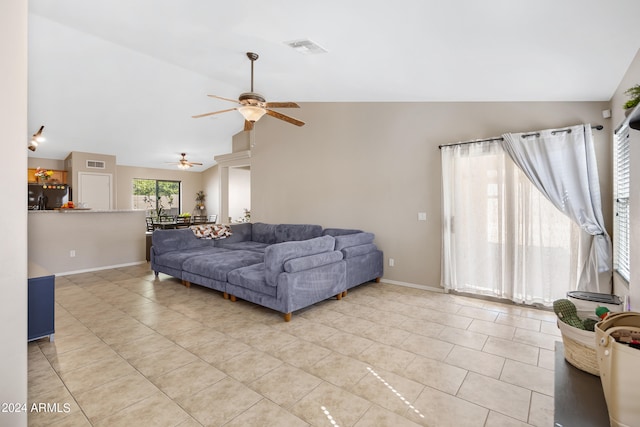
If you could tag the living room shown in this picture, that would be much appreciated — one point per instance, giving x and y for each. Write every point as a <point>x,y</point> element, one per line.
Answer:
<point>367,165</point>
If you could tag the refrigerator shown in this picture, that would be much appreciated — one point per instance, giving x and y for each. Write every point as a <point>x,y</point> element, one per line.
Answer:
<point>47,196</point>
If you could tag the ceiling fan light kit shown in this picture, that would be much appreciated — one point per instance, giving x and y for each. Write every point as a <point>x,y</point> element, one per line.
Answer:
<point>251,113</point>
<point>253,105</point>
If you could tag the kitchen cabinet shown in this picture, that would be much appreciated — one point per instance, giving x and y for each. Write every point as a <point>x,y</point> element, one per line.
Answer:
<point>58,177</point>
<point>41,303</point>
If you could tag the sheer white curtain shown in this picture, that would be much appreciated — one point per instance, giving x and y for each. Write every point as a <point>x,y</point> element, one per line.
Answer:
<point>501,236</point>
<point>562,165</point>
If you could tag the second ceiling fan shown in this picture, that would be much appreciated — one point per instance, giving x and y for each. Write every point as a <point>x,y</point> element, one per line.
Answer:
<point>253,105</point>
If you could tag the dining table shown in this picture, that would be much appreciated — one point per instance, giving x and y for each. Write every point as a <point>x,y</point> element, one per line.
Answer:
<point>165,225</point>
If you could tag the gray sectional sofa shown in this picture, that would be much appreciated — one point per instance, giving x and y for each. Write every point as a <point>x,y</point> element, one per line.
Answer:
<point>284,267</point>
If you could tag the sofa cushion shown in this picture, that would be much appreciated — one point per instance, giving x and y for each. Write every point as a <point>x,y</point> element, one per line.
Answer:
<point>177,240</point>
<point>252,277</point>
<point>308,262</point>
<point>296,232</point>
<point>263,233</point>
<point>353,251</point>
<point>175,259</point>
<point>218,265</point>
<point>348,240</point>
<point>247,246</point>
<point>239,233</point>
<point>339,231</point>
<point>276,255</point>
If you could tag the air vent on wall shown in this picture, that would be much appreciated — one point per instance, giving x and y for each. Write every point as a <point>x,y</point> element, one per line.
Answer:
<point>306,47</point>
<point>95,164</point>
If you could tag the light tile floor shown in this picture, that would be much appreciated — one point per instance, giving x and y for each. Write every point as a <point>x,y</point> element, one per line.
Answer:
<point>131,349</point>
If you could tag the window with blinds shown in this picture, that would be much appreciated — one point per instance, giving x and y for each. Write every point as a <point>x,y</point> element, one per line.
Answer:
<point>621,231</point>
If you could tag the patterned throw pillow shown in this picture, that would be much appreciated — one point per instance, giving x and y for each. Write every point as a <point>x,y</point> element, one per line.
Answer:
<point>211,231</point>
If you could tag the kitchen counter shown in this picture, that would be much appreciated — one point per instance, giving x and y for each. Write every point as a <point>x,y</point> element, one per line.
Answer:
<point>79,210</point>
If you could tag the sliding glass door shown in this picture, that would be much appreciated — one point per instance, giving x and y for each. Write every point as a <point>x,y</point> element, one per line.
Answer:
<point>501,236</point>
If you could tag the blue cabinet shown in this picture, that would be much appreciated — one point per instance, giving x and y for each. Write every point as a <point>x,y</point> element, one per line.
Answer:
<point>41,304</point>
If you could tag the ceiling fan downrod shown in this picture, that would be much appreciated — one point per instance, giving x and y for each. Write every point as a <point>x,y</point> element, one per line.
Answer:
<point>253,57</point>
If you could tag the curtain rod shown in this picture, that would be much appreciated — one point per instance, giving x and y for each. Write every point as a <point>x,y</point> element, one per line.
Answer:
<point>499,138</point>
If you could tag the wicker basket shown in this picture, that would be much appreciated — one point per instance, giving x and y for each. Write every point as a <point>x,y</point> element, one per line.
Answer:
<point>579,347</point>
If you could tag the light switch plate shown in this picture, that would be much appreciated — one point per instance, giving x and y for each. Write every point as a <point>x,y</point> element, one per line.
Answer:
<point>422,216</point>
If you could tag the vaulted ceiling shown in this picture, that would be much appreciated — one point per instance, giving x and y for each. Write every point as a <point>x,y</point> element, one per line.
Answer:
<point>124,77</point>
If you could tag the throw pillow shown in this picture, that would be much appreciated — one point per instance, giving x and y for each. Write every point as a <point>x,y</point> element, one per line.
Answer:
<point>211,231</point>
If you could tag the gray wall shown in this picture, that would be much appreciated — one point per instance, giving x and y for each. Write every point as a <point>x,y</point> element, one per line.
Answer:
<point>374,166</point>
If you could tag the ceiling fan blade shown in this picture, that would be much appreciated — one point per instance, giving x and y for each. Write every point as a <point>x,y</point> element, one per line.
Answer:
<point>281,105</point>
<point>211,114</point>
<point>235,101</point>
<point>195,164</point>
<point>285,118</point>
<point>248,125</point>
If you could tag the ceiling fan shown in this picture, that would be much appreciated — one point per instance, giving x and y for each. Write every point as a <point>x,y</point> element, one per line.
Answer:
<point>183,163</point>
<point>253,105</point>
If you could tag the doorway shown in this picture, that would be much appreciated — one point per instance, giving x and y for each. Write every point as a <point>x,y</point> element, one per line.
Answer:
<point>239,193</point>
<point>235,185</point>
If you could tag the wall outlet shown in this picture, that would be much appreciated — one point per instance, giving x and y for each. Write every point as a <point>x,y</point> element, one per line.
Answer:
<point>392,262</point>
<point>422,216</point>
<point>72,253</point>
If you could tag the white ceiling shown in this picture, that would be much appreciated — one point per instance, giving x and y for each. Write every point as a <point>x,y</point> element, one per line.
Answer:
<point>124,77</point>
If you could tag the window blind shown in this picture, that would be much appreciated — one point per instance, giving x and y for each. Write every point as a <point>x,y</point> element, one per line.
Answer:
<point>621,231</point>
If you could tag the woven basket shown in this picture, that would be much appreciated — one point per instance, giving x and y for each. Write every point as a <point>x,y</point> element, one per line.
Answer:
<point>579,348</point>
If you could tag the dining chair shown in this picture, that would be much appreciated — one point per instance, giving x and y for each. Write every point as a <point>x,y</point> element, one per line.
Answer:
<point>183,221</point>
<point>198,219</point>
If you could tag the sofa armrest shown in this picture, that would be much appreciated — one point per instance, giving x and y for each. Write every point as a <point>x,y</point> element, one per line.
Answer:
<point>354,251</point>
<point>339,231</point>
<point>276,255</point>
<point>312,261</point>
<point>348,240</point>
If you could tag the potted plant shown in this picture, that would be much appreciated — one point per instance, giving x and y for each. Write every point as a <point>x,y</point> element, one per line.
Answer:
<point>200,196</point>
<point>43,175</point>
<point>634,93</point>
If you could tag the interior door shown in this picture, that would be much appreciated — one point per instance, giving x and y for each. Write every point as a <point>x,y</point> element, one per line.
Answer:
<point>95,190</point>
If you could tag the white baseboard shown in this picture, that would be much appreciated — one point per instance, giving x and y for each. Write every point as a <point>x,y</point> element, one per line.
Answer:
<point>105,267</point>
<point>413,285</point>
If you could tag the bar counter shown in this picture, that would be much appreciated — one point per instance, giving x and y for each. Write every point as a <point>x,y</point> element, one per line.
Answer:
<point>76,240</point>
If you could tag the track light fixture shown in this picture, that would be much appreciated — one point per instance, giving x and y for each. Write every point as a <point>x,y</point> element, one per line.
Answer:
<point>36,139</point>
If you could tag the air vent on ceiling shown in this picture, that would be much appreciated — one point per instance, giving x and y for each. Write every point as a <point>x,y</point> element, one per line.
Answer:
<point>306,47</point>
<point>95,164</point>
